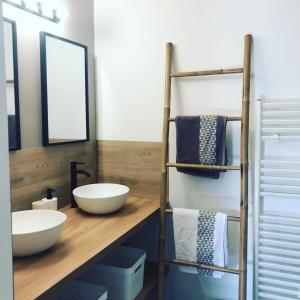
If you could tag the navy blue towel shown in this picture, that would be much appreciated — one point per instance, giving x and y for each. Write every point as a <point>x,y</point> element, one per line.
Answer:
<point>201,140</point>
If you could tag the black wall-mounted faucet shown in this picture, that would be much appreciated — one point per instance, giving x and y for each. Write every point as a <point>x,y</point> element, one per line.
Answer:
<point>74,172</point>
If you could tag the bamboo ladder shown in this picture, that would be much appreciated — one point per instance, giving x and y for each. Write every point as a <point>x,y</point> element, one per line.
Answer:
<point>243,168</point>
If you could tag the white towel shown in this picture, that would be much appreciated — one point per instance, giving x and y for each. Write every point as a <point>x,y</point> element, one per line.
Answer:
<point>200,237</point>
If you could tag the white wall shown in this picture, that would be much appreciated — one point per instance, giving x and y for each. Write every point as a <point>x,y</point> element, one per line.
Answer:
<point>6,282</point>
<point>130,52</point>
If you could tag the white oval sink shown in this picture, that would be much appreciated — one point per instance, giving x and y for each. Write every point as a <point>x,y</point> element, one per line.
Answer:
<point>101,198</point>
<point>35,231</point>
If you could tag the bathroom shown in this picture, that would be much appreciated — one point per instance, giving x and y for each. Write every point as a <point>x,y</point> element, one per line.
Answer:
<point>116,129</point>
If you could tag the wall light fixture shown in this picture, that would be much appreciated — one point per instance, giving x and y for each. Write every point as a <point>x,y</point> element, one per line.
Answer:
<point>39,12</point>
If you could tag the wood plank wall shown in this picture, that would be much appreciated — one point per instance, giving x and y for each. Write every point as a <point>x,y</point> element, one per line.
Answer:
<point>32,170</point>
<point>135,164</point>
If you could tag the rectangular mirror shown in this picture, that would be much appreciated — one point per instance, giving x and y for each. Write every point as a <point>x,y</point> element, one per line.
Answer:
<point>64,79</point>
<point>12,83</point>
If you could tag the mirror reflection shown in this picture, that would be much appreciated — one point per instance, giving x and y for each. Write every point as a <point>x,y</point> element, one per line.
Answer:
<point>64,90</point>
<point>12,89</point>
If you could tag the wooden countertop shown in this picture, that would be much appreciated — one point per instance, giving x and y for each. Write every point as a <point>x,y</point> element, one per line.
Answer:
<point>83,238</point>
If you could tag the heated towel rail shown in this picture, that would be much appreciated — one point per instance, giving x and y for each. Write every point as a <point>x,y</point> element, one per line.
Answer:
<point>242,168</point>
<point>277,227</point>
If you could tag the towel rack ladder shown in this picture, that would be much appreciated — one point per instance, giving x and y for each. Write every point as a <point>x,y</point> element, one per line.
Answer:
<point>243,168</point>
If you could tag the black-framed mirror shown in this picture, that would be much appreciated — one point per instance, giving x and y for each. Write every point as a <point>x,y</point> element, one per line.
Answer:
<point>64,83</point>
<point>12,83</point>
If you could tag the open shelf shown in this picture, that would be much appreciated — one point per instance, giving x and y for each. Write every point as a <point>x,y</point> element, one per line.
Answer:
<point>151,280</point>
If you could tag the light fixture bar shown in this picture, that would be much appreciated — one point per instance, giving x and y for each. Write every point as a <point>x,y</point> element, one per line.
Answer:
<point>38,12</point>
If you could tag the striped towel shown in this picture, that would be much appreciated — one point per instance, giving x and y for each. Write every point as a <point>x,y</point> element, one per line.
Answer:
<point>201,236</point>
<point>201,140</point>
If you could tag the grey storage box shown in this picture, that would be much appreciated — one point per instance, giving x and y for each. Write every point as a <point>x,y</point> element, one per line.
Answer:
<point>79,290</point>
<point>122,271</point>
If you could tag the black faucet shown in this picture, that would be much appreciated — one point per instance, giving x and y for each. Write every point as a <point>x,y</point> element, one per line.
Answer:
<point>74,172</point>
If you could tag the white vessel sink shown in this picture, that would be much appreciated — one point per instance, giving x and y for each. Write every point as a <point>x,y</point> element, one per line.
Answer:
<point>101,198</point>
<point>35,231</point>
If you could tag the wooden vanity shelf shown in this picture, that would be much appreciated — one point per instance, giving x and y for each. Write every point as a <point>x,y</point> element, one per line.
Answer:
<point>85,239</point>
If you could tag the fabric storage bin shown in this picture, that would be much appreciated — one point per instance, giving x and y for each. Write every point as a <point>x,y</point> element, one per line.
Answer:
<point>79,290</point>
<point>122,271</point>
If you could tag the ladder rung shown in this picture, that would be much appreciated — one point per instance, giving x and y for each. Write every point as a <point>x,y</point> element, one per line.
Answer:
<point>229,218</point>
<point>207,72</point>
<point>234,118</point>
<point>202,266</point>
<point>207,167</point>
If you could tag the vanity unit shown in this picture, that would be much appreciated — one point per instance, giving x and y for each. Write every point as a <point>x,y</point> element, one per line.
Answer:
<point>85,239</point>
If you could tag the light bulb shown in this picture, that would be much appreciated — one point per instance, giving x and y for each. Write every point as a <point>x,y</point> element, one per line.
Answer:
<point>54,15</point>
<point>39,6</point>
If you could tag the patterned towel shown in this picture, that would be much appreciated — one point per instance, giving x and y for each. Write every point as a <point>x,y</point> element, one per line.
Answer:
<point>201,140</point>
<point>201,236</point>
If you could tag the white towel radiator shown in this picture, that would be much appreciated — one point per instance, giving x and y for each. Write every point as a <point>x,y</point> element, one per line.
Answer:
<point>277,201</point>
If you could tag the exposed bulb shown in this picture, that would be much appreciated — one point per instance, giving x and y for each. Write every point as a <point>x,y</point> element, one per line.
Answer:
<point>39,6</point>
<point>54,15</point>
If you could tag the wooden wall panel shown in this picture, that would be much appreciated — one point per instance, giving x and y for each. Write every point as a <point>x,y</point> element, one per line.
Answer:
<point>135,164</point>
<point>34,169</point>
